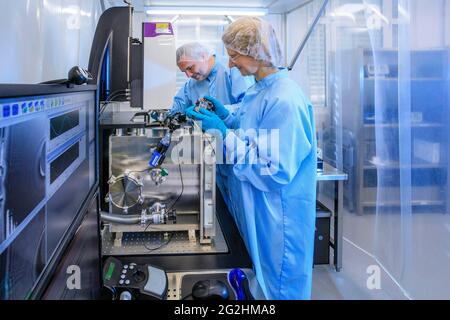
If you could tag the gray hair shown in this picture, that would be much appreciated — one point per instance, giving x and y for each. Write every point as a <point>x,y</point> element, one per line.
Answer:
<point>194,51</point>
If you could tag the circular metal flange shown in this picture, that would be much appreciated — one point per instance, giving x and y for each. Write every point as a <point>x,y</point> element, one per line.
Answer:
<point>125,192</point>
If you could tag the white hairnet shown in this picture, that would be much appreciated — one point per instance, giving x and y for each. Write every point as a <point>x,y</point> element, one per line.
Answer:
<point>194,51</point>
<point>254,37</point>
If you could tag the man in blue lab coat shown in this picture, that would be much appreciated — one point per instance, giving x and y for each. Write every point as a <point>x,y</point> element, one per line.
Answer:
<point>208,77</point>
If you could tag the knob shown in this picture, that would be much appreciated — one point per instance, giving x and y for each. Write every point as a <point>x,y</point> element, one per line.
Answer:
<point>126,295</point>
<point>139,276</point>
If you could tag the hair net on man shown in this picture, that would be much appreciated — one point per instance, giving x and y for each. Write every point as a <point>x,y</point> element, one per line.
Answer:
<point>254,37</point>
<point>194,51</point>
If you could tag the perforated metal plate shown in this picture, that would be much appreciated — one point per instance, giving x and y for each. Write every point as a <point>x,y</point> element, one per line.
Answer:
<point>156,243</point>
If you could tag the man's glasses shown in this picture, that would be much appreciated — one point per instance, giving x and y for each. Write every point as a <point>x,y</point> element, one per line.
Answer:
<point>189,69</point>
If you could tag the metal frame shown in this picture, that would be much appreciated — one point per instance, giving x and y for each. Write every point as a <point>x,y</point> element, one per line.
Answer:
<point>338,177</point>
<point>308,35</point>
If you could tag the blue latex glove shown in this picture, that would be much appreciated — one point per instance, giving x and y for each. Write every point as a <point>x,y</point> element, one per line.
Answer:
<point>220,109</point>
<point>191,113</point>
<point>209,120</point>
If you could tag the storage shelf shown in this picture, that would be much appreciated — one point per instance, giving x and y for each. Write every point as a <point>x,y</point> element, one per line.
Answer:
<point>429,81</point>
<point>414,125</point>
<point>372,165</point>
<point>412,79</point>
<point>398,203</point>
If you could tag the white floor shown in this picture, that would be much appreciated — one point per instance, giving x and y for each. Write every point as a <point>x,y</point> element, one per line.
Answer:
<point>351,282</point>
<point>423,274</point>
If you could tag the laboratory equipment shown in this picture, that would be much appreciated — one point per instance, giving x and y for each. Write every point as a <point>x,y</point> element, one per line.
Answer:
<point>115,60</point>
<point>169,206</point>
<point>204,104</point>
<point>210,290</point>
<point>159,155</point>
<point>158,55</point>
<point>133,281</point>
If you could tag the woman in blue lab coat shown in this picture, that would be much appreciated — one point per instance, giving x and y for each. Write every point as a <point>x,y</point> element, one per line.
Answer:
<point>273,185</point>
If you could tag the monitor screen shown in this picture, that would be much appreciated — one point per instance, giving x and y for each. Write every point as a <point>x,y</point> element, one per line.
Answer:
<point>66,122</point>
<point>48,171</point>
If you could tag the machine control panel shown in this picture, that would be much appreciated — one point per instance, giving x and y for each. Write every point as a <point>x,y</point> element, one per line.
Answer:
<point>140,281</point>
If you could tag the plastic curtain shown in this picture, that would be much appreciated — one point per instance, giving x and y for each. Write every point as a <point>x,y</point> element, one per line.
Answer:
<point>389,92</point>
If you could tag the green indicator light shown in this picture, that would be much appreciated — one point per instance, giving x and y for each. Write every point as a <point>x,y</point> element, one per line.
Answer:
<point>110,272</point>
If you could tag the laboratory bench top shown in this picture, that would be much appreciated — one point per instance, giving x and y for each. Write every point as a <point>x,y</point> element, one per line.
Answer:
<point>330,173</point>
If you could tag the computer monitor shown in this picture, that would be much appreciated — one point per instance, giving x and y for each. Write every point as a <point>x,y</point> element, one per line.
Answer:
<point>47,171</point>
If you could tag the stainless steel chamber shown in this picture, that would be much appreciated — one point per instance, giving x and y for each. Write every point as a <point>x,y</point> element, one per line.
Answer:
<point>163,210</point>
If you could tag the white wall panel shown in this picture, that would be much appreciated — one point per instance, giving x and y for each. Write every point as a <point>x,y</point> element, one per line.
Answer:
<point>427,23</point>
<point>42,39</point>
<point>447,23</point>
<point>297,26</point>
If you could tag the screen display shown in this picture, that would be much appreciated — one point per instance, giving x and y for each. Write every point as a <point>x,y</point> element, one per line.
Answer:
<point>60,164</point>
<point>22,177</point>
<point>23,261</point>
<point>62,124</point>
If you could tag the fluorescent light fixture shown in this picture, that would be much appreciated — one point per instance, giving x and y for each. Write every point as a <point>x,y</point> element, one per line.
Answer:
<point>350,10</point>
<point>208,11</point>
<point>191,22</point>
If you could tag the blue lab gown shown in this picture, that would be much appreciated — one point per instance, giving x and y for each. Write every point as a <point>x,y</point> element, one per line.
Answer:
<point>226,85</point>
<point>276,212</point>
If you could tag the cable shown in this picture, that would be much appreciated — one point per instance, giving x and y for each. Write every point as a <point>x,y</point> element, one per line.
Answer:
<point>182,190</point>
<point>108,102</point>
<point>114,95</point>
<point>105,105</point>
<point>210,143</point>
<point>161,246</point>
<point>170,209</point>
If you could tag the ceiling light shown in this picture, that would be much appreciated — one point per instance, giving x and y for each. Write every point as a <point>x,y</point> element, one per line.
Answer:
<point>210,11</point>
